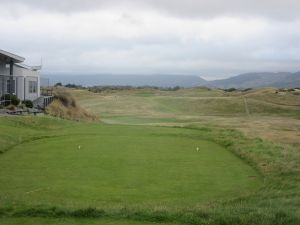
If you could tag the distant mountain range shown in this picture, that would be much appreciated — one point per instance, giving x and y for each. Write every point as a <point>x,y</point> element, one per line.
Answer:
<point>248,80</point>
<point>256,80</point>
<point>130,80</point>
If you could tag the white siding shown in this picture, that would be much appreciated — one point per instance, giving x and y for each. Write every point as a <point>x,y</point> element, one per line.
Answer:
<point>19,71</point>
<point>20,88</point>
<point>31,96</point>
<point>28,75</point>
<point>20,76</point>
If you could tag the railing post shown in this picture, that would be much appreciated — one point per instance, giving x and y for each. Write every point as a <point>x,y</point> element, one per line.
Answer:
<point>11,72</point>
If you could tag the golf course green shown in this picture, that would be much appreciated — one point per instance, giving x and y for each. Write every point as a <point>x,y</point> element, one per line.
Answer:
<point>187,157</point>
<point>97,165</point>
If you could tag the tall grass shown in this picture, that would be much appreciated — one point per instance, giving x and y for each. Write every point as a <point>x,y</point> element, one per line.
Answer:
<point>65,106</point>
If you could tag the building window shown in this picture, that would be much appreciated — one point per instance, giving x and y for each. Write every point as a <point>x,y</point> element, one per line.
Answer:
<point>32,87</point>
<point>13,86</point>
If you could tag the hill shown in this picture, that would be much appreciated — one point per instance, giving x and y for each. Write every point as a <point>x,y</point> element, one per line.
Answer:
<point>256,80</point>
<point>291,80</point>
<point>247,80</point>
<point>130,80</point>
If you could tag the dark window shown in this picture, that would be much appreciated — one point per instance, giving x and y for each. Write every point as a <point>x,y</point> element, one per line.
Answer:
<point>13,86</point>
<point>32,86</point>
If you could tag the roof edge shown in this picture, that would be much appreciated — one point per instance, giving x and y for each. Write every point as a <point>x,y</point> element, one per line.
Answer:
<point>18,59</point>
<point>33,68</point>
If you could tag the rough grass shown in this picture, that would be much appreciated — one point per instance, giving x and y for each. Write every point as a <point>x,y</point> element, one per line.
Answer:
<point>65,106</point>
<point>188,102</point>
<point>271,116</point>
<point>276,96</point>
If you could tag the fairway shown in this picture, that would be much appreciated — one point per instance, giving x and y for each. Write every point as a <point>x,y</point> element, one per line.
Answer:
<point>95,165</point>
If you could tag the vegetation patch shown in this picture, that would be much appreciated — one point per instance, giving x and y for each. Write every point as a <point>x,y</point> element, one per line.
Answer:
<point>65,106</point>
<point>56,171</point>
<point>275,203</point>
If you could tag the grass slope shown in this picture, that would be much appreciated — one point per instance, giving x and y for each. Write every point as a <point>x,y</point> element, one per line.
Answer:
<point>187,104</point>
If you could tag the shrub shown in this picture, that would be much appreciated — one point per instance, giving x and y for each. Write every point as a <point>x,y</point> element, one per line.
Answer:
<point>59,84</point>
<point>28,103</point>
<point>11,107</point>
<point>66,107</point>
<point>65,98</point>
<point>230,89</point>
<point>10,99</point>
<point>22,106</point>
<point>74,86</point>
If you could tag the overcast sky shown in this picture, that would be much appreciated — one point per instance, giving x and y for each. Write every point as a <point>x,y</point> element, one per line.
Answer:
<point>213,39</point>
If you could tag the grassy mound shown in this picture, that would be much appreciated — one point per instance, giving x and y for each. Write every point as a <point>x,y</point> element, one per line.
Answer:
<point>65,106</point>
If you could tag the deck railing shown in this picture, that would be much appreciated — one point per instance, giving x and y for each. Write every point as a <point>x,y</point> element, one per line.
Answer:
<point>46,91</point>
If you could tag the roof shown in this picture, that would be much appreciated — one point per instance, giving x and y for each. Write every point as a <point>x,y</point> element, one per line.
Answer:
<point>33,68</point>
<point>7,57</point>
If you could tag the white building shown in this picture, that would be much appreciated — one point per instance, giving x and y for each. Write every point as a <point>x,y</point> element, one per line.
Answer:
<point>18,79</point>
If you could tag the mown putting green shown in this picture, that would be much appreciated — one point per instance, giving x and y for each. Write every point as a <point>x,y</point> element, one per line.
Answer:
<point>114,166</point>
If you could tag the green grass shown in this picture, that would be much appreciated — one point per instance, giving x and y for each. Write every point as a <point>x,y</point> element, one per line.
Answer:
<point>119,166</point>
<point>66,221</point>
<point>126,174</point>
<point>142,175</point>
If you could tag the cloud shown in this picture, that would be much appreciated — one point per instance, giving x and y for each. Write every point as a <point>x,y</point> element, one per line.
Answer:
<point>277,9</point>
<point>146,37</point>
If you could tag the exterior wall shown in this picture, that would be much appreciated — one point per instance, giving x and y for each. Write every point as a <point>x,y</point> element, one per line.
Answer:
<point>3,69</point>
<point>28,95</point>
<point>21,76</point>
<point>20,87</point>
<point>19,71</point>
<point>2,85</point>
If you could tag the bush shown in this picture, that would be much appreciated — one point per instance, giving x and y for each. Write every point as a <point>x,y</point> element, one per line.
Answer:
<point>66,107</point>
<point>65,98</point>
<point>22,106</point>
<point>74,86</point>
<point>59,84</point>
<point>10,99</point>
<point>230,89</point>
<point>11,107</point>
<point>28,103</point>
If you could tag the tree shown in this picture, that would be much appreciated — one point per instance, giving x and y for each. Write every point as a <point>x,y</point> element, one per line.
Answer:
<point>59,84</point>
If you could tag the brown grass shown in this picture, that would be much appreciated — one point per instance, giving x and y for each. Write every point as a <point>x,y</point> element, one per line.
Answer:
<point>269,110</point>
<point>65,106</point>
